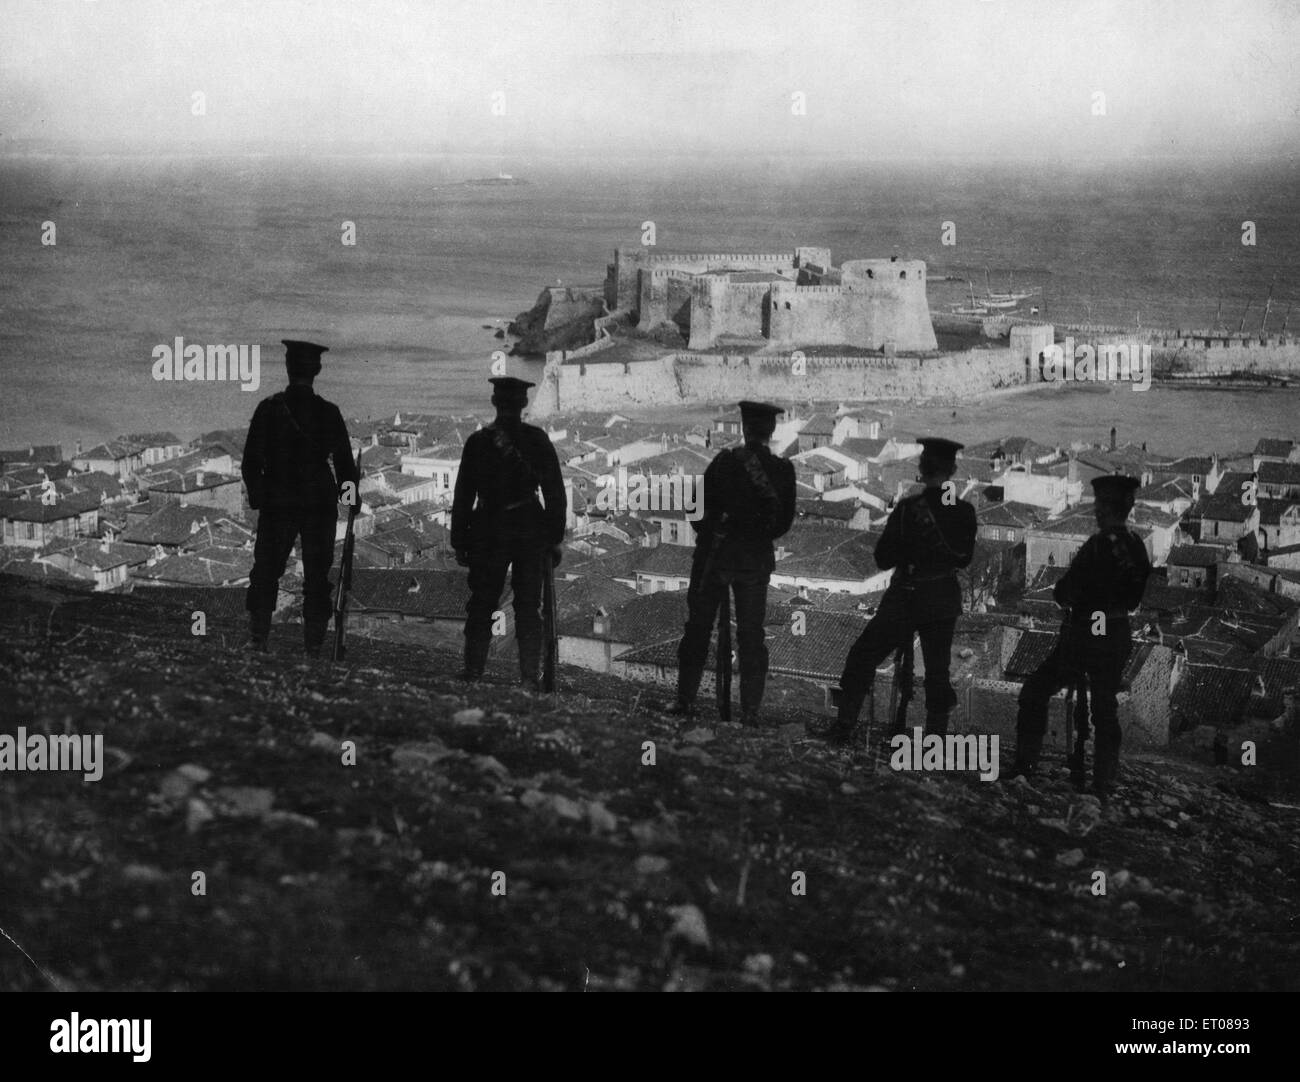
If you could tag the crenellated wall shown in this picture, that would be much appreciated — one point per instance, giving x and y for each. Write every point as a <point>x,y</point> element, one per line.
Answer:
<point>719,306</point>
<point>878,301</point>
<point>716,378</point>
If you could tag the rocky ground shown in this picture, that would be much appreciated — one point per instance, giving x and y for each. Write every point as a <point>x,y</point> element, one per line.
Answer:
<point>488,839</point>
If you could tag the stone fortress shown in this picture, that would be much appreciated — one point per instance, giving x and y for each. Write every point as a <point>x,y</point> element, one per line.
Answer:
<point>784,300</point>
<point>705,328</point>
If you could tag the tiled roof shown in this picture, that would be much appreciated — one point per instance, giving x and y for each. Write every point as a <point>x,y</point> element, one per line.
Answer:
<point>664,560</point>
<point>841,510</point>
<point>411,592</point>
<point>172,524</point>
<point>642,619</point>
<point>1035,647</point>
<point>191,570</point>
<point>1274,447</point>
<point>862,447</point>
<point>1194,556</point>
<point>37,511</point>
<point>820,652</point>
<point>1210,695</point>
<point>1271,511</point>
<point>1279,473</point>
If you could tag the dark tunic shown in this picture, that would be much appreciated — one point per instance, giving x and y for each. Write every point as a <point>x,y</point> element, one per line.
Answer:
<point>1107,576</point>
<point>926,542</point>
<point>499,524</point>
<point>286,469</point>
<point>496,489</point>
<point>733,551</point>
<point>287,454</point>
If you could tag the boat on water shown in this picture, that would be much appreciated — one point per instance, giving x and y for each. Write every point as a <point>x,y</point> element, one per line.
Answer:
<point>1011,297</point>
<point>972,309</point>
<point>501,179</point>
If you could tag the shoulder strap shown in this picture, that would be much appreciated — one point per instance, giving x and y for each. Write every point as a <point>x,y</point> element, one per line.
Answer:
<point>757,475</point>
<point>508,450</point>
<point>930,528</point>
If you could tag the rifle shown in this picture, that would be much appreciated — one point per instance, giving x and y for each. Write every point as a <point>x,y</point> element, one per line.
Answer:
<point>903,691</point>
<point>1076,708</point>
<point>344,586</point>
<point>551,640</point>
<point>724,656</point>
<point>722,677</point>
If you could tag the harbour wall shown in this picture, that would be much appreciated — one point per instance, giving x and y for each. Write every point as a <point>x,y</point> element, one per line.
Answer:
<point>707,378</point>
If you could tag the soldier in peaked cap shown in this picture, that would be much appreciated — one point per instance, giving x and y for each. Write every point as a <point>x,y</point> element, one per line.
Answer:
<point>1103,585</point>
<point>929,537</point>
<point>293,437</point>
<point>498,525</point>
<point>749,501</point>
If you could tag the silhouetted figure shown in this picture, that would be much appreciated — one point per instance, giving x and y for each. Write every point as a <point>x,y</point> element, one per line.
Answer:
<point>1103,585</point>
<point>749,501</point>
<point>929,537</point>
<point>498,525</point>
<point>293,436</point>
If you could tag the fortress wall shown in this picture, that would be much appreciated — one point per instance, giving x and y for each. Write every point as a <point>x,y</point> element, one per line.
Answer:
<point>860,312</point>
<point>718,378</point>
<point>1275,359</point>
<point>663,294</point>
<point>738,309</point>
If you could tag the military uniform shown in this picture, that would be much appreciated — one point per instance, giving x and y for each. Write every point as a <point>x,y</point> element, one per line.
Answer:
<point>926,541</point>
<point>1107,576</point>
<point>286,470</point>
<point>498,525</point>
<point>749,501</point>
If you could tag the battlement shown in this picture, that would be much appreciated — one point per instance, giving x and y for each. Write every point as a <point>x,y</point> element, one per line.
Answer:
<point>717,257</point>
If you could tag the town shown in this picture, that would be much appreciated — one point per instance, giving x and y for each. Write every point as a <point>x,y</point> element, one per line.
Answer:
<point>1217,650</point>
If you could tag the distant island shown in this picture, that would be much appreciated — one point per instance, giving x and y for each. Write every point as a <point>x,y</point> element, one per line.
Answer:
<point>500,180</point>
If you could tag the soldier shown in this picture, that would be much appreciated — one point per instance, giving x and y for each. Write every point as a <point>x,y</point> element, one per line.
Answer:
<point>286,472</point>
<point>1105,582</point>
<point>749,501</point>
<point>929,537</point>
<point>498,524</point>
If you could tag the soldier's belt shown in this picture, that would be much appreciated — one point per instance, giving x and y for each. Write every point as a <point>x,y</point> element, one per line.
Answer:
<point>938,576</point>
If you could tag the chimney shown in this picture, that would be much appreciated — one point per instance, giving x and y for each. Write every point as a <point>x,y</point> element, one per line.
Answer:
<point>600,622</point>
<point>1112,437</point>
<point>1196,491</point>
<point>1073,475</point>
<point>198,479</point>
<point>803,592</point>
<point>78,447</point>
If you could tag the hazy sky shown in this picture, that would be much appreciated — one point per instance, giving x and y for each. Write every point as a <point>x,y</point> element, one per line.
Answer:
<point>914,77</point>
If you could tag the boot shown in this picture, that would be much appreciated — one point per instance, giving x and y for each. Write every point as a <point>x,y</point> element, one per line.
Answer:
<point>1105,767</point>
<point>313,636</point>
<point>530,661</point>
<point>936,723</point>
<point>682,708</point>
<point>846,718</point>
<point>476,652</point>
<point>1078,777</point>
<point>1029,746</point>
<point>259,630</point>
<point>749,717</point>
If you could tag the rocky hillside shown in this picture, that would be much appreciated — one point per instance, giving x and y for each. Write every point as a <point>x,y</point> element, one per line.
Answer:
<point>616,874</point>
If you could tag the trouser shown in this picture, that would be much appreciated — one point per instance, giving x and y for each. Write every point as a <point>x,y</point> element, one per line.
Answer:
<point>277,529</point>
<point>1100,660</point>
<point>703,599</point>
<point>888,631</point>
<point>522,558</point>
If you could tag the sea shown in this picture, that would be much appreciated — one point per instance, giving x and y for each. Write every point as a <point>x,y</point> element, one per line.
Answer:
<point>248,249</point>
